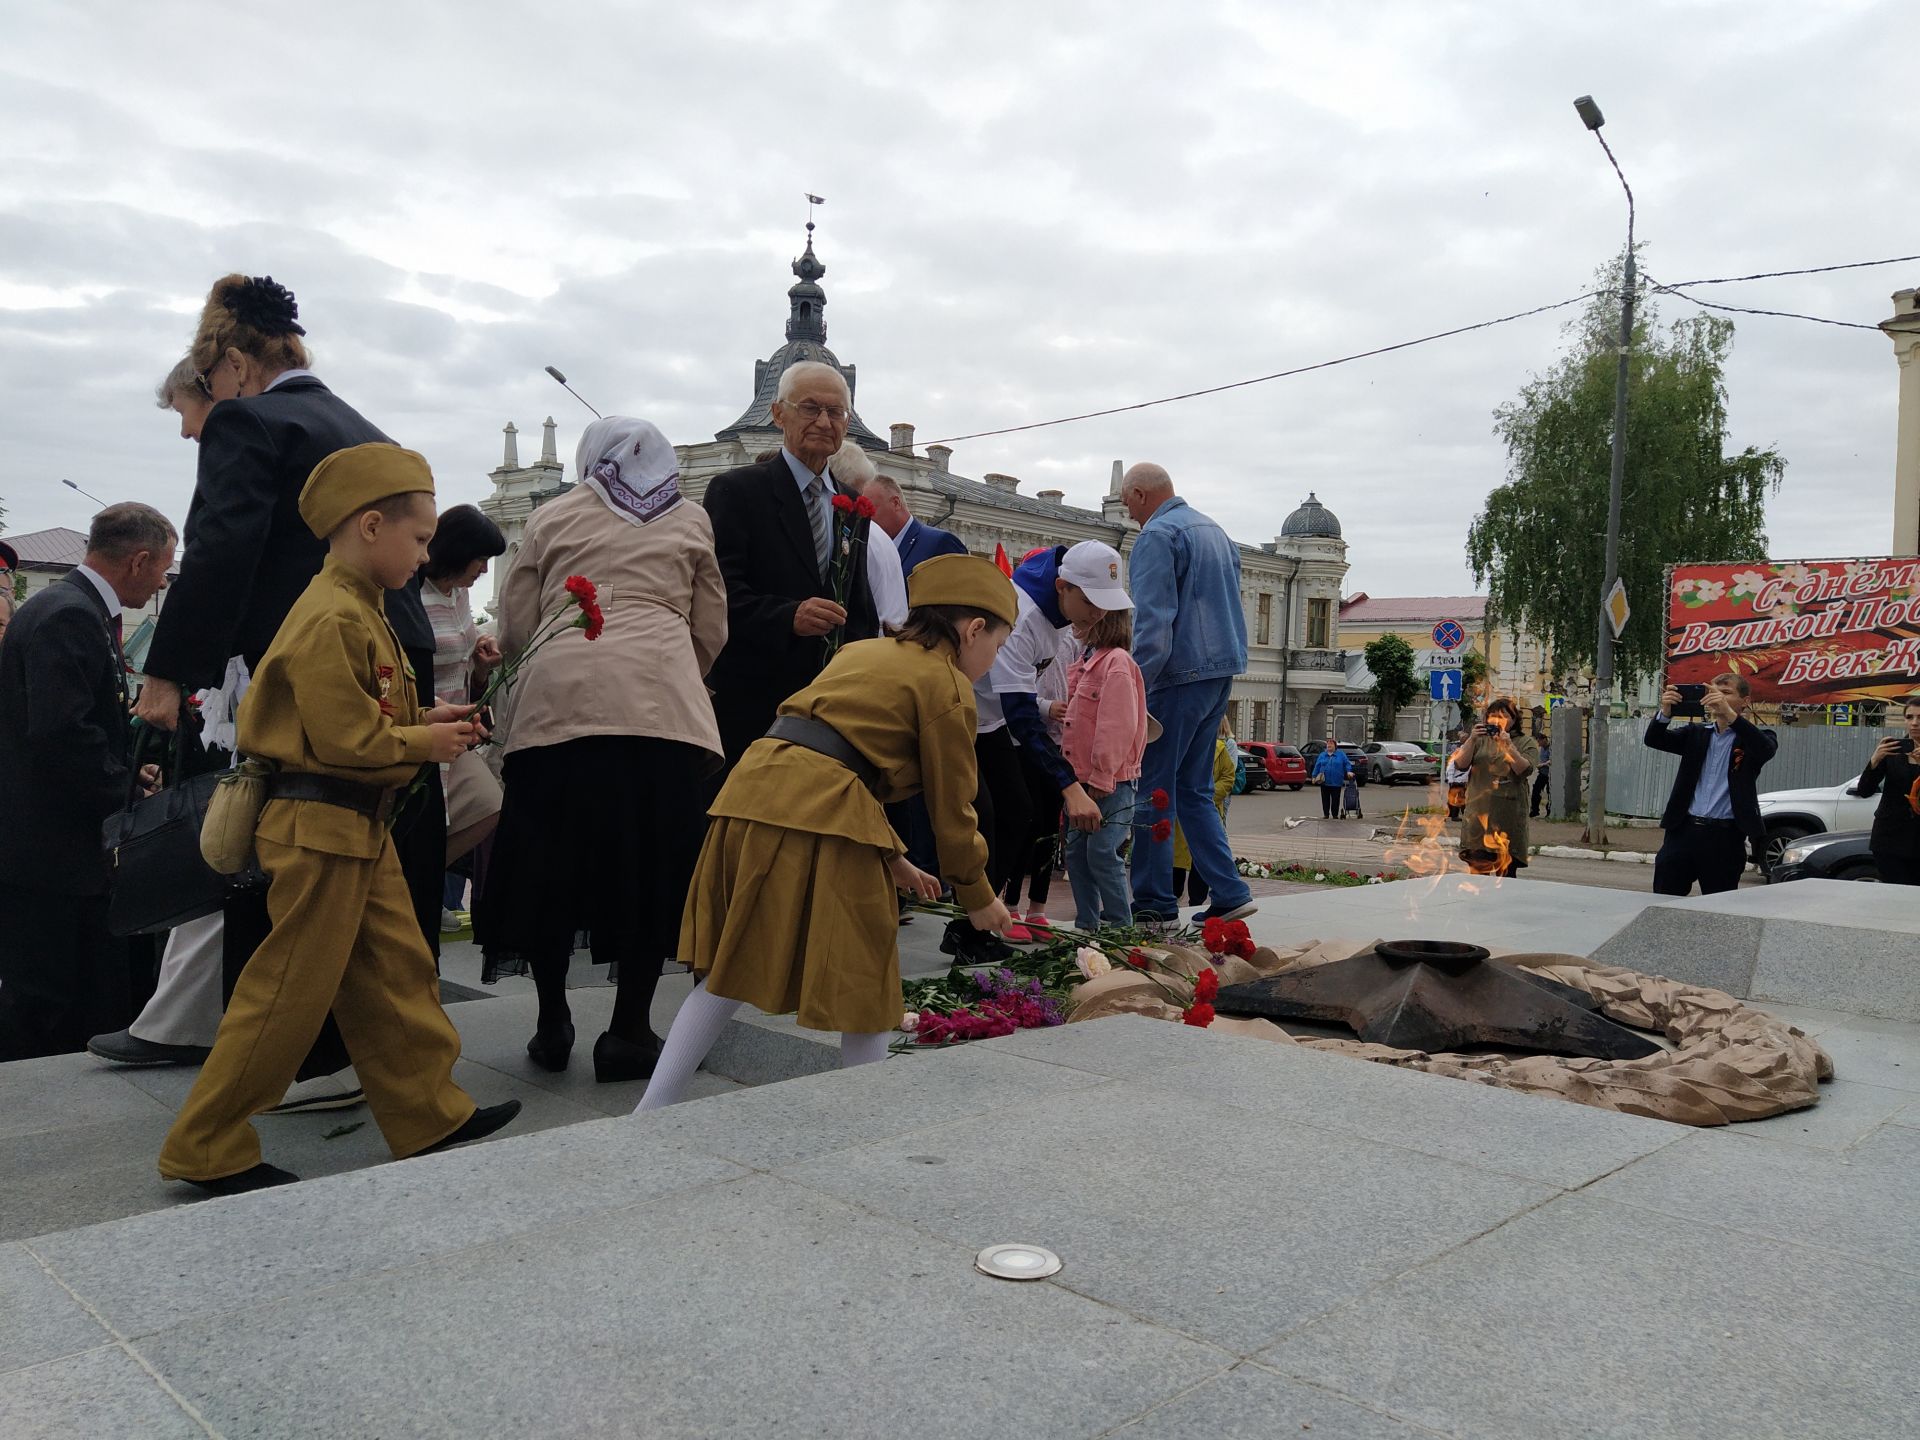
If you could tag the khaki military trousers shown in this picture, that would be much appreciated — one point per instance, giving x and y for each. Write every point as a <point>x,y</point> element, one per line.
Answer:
<point>344,938</point>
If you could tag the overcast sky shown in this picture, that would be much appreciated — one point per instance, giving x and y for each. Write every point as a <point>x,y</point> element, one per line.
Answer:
<point>1034,210</point>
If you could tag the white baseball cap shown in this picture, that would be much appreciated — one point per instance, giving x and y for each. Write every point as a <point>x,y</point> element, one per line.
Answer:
<point>1095,568</point>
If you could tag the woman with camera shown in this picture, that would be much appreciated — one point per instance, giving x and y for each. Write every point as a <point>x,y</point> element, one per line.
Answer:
<point>1892,773</point>
<point>1498,760</point>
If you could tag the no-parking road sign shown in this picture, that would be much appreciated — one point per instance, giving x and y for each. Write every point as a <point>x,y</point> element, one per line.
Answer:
<point>1449,635</point>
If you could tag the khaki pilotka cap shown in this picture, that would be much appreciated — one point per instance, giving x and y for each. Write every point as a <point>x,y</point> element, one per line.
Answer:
<point>963,580</point>
<point>349,480</point>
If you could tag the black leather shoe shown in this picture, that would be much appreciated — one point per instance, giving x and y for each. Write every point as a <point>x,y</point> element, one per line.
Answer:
<point>482,1123</point>
<point>123,1047</point>
<point>616,1058</point>
<point>550,1048</point>
<point>969,946</point>
<point>260,1177</point>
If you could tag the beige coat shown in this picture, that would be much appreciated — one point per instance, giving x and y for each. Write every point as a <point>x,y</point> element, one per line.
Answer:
<point>666,610</point>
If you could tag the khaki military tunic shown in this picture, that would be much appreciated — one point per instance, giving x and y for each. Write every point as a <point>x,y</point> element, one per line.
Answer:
<point>1496,797</point>
<point>792,908</point>
<point>332,696</point>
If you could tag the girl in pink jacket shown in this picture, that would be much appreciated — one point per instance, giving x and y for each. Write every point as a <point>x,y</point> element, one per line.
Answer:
<point>1103,737</point>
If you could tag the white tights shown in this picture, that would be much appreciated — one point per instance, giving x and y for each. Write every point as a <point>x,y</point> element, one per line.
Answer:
<point>697,1026</point>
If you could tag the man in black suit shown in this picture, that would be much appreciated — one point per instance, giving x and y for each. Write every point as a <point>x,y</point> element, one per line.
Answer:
<point>773,524</point>
<point>1713,813</point>
<point>63,771</point>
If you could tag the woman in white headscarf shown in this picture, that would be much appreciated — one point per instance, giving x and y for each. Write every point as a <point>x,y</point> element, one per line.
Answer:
<point>610,742</point>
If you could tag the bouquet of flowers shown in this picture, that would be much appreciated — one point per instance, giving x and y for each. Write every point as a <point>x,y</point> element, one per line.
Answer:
<point>847,549</point>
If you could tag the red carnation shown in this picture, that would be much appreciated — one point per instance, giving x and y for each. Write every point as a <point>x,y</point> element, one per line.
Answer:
<point>592,621</point>
<point>1137,958</point>
<point>1213,934</point>
<point>1200,1014</point>
<point>581,589</point>
<point>1160,799</point>
<point>843,503</point>
<point>1206,985</point>
<point>863,507</point>
<point>1162,830</point>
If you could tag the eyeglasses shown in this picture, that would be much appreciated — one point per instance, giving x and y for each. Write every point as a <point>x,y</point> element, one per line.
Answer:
<point>813,410</point>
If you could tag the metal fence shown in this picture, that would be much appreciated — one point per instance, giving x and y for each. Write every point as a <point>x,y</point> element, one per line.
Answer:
<point>1638,778</point>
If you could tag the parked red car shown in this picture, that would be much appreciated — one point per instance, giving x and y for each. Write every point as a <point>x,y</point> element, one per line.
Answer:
<point>1270,766</point>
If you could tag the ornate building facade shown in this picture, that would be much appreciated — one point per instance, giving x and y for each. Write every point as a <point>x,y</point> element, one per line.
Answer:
<point>1296,682</point>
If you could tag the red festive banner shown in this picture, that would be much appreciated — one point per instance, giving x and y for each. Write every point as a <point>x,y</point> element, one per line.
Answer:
<point>1811,632</point>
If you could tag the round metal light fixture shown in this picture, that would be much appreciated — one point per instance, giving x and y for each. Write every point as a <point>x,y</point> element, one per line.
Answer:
<point>1017,1262</point>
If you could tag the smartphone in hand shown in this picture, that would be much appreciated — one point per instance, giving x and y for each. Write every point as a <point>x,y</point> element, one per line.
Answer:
<point>1692,702</point>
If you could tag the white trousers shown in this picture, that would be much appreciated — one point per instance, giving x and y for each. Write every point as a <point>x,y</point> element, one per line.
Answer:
<point>185,1008</point>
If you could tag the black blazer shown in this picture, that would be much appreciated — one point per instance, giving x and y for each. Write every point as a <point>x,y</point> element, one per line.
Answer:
<point>63,739</point>
<point>1896,829</point>
<point>248,554</point>
<point>1752,748</point>
<point>765,546</point>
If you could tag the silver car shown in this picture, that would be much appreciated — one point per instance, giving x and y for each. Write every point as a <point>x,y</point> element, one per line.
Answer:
<point>1391,760</point>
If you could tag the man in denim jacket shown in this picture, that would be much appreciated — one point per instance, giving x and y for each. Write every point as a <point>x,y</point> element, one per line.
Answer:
<point>1190,640</point>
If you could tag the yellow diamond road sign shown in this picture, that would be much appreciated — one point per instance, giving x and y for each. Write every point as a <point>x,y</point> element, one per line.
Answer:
<point>1617,608</point>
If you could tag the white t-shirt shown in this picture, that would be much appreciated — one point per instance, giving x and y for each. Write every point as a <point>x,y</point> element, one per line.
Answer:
<point>1032,654</point>
<point>886,578</point>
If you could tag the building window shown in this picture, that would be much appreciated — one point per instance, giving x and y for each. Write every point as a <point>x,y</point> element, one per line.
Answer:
<point>1319,624</point>
<point>1264,630</point>
<point>1260,721</point>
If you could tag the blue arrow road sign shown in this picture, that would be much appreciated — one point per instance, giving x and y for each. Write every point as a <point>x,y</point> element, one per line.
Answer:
<point>1443,684</point>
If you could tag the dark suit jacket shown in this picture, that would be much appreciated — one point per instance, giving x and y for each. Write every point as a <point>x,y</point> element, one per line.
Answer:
<point>765,546</point>
<point>248,554</point>
<point>1752,748</point>
<point>1896,829</point>
<point>921,541</point>
<point>63,739</point>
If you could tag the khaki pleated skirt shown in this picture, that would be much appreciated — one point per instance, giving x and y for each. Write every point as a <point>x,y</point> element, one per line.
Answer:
<point>794,922</point>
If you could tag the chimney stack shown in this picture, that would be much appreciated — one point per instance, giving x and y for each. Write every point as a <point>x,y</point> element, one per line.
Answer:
<point>511,460</point>
<point>902,442</point>
<point>1009,483</point>
<point>940,455</point>
<point>1053,497</point>
<point>548,454</point>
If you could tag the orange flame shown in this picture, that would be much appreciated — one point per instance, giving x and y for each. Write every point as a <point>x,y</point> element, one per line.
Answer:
<point>1502,848</point>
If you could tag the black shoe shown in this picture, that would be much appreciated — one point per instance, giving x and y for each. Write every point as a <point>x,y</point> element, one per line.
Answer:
<point>616,1058</point>
<point>123,1047</point>
<point>969,946</point>
<point>482,1123</point>
<point>1231,912</point>
<point>260,1177</point>
<point>550,1048</point>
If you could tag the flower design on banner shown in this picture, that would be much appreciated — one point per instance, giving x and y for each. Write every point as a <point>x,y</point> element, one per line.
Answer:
<point>1747,582</point>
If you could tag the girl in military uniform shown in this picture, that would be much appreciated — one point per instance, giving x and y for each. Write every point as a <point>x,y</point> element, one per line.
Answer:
<point>792,908</point>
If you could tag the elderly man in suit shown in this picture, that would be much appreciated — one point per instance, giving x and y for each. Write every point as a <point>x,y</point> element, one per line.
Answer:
<point>773,527</point>
<point>63,770</point>
<point>1713,811</point>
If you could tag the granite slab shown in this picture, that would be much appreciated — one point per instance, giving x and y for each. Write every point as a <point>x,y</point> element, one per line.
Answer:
<point>99,1393</point>
<point>39,1319</point>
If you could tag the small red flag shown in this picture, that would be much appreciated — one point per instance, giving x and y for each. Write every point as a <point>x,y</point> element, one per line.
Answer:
<point>1000,559</point>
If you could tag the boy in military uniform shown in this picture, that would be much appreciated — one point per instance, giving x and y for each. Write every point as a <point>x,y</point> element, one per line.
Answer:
<point>333,704</point>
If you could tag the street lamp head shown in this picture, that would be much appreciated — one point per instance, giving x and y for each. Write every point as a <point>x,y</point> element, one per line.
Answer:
<point>1589,112</point>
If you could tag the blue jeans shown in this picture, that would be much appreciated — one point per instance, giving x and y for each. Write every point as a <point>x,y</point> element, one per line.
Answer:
<point>1180,762</point>
<point>1094,867</point>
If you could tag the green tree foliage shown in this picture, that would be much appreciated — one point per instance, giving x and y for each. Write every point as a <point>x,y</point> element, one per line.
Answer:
<point>1539,543</point>
<point>1391,660</point>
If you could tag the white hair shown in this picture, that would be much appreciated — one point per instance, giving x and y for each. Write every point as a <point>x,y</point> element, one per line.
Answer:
<point>808,370</point>
<point>852,468</point>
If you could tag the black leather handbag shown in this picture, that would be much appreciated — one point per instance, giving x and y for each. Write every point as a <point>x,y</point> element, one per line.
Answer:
<point>160,879</point>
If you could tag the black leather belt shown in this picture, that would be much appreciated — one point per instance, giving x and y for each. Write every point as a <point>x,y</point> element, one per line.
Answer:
<point>823,739</point>
<point>1706,824</point>
<point>373,801</point>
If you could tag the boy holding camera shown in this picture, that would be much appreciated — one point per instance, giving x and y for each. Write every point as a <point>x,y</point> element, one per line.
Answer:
<point>1713,812</point>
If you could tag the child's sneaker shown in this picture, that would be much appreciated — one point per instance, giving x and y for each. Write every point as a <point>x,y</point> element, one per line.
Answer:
<point>1017,934</point>
<point>1039,926</point>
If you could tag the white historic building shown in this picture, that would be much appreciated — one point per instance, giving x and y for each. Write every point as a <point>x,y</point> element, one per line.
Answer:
<point>1296,683</point>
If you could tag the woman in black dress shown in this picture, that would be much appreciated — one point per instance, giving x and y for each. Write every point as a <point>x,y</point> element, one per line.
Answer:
<point>1891,771</point>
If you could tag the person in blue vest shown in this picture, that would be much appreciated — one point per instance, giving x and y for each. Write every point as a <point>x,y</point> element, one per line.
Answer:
<point>1331,771</point>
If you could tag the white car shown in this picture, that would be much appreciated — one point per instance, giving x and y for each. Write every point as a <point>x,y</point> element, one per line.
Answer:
<point>1791,814</point>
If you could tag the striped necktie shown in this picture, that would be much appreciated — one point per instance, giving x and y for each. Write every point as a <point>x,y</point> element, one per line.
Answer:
<point>820,513</point>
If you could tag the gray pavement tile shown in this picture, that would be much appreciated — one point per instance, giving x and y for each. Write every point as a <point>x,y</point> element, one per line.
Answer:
<point>1843,965</point>
<point>85,1397</point>
<point>1875,1052</point>
<point>1178,1206</point>
<point>1119,1046</point>
<point>60,1179</point>
<point>1252,1403</point>
<point>1709,947</point>
<point>39,1321</point>
<point>1582,1319</point>
<point>816,1116</point>
<point>762,1308</point>
<point>215,1255</point>
<point>1860,1205</point>
<point>757,1049</point>
<point>1484,1126</point>
<point>65,1090</point>
<point>1847,1113</point>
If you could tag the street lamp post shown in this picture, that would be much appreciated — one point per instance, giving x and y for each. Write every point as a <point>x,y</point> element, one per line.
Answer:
<point>1603,653</point>
<point>95,498</point>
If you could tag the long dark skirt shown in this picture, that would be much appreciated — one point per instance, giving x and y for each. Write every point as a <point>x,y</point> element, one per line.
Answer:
<point>598,834</point>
